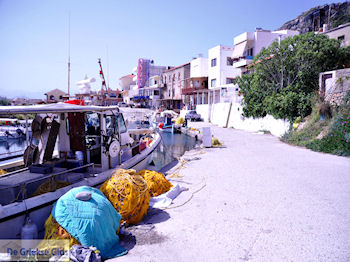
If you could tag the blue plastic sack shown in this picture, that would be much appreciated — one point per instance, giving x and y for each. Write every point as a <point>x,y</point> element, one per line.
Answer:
<point>92,222</point>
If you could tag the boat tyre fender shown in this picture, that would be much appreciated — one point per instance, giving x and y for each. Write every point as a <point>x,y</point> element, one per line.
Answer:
<point>30,154</point>
<point>114,148</point>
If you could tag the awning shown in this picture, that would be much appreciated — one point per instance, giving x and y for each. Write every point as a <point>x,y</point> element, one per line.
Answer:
<point>239,49</point>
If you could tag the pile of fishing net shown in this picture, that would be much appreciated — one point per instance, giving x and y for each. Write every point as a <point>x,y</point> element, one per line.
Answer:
<point>215,142</point>
<point>179,121</point>
<point>156,182</point>
<point>50,186</point>
<point>2,172</point>
<point>128,193</point>
<point>53,230</point>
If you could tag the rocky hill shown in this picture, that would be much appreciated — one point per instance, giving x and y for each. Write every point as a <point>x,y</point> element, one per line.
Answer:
<point>331,14</point>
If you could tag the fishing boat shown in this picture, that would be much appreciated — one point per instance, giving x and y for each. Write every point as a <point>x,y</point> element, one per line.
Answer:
<point>164,120</point>
<point>78,145</point>
<point>11,128</point>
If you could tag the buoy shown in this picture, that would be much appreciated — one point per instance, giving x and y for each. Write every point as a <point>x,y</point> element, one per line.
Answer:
<point>29,230</point>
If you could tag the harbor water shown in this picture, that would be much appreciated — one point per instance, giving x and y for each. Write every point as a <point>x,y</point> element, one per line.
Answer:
<point>170,148</point>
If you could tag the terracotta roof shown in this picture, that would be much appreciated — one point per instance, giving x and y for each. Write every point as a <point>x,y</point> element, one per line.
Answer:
<point>176,67</point>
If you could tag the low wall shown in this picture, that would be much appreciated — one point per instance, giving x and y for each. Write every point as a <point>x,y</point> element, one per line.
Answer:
<point>277,127</point>
<point>183,112</point>
<point>204,111</point>
<point>220,113</point>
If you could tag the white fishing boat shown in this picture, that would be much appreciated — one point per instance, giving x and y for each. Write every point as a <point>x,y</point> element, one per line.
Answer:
<point>78,145</point>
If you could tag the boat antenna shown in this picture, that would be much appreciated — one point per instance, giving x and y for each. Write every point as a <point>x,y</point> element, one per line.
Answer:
<point>68,55</point>
<point>107,67</point>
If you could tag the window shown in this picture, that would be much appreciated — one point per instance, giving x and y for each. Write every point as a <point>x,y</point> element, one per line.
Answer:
<point>61,97</point>
<point>196,83</point>
<point>342,40</point>
<point>156,92</point>
<point>229,61</point>
<point>249,52</point>
<point>229,80</point>
<point>179,76</point>
<point>213,62</point>
<point>120,120</point>
<point>213,82</point>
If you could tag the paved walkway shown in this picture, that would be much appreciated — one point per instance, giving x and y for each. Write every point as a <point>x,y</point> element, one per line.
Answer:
<point>258,199</point>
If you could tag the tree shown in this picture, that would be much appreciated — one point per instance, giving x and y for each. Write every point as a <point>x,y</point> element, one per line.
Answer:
<point>4,101</point>
<point>284,76</point>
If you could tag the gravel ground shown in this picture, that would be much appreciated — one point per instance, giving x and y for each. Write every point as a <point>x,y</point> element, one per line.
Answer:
<point>256,199</point>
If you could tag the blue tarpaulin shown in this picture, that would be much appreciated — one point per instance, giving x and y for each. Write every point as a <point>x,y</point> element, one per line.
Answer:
<point>92,222</point>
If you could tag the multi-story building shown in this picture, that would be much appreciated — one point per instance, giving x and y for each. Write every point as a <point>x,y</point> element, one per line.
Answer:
<point>146,72</point>
<point>221,73</point>
<point>173,81</point>
<point>195,91</point>
<point>152,92</point>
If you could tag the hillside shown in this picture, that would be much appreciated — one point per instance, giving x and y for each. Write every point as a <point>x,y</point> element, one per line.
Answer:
<point>332,14</point>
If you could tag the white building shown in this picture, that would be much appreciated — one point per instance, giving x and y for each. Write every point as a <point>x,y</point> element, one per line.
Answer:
<point>221,74</point>
<point>195,91</point>
<point>249,44</point>
<point>152,93</point>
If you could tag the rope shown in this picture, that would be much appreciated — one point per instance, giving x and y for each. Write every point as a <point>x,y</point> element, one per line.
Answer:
<point>128,192</point>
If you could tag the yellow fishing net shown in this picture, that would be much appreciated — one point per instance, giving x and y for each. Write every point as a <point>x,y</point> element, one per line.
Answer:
<point>215,142</point>
<point>2,172</point>
<point>128,193</point>
<point>157,183</point>
<point>179,121</point>
<point>53,230</point>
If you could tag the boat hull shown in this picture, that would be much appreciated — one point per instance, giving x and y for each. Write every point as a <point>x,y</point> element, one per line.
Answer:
<point>12,216</point>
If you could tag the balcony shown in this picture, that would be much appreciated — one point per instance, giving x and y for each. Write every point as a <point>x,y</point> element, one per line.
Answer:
<point>243,61</point>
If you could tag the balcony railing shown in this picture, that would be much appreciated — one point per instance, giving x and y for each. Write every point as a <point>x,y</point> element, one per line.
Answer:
<point>187,90</point>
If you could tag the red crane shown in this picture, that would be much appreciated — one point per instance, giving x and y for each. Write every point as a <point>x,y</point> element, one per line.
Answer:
<point>104,86</point>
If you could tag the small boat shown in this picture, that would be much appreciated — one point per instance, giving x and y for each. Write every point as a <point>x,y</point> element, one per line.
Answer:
<point>78,145</point>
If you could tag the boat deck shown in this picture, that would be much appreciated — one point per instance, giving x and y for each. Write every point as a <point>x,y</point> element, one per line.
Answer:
<point>22,185</point>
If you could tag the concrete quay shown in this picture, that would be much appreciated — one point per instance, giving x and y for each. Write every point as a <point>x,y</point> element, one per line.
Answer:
<point>256,199</point>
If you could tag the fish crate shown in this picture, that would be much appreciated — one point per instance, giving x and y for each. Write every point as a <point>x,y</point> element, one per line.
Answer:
<point>40,168</point>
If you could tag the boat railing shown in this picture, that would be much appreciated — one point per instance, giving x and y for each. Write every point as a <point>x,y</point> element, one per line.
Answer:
<point>11,153</point>
<point>22,192</point>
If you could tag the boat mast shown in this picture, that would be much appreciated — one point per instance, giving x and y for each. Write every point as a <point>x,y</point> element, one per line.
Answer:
<point>68,56</point>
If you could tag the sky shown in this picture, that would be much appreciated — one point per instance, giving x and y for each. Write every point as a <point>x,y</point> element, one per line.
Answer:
<point>34,36</point>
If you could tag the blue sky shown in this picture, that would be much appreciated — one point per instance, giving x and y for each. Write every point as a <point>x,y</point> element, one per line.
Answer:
<point>34,36</point>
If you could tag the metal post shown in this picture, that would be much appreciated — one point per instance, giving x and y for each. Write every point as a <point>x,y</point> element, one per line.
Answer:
<point>120,141</point>
<point>27,133</point>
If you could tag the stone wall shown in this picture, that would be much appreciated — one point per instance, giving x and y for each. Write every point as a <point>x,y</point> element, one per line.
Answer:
<point>333,85</point>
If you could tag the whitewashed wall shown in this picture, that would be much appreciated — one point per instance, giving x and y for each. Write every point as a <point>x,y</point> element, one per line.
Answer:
<point>204,111</point>
<point>277,127</point>
<point>222,113</point>
<point>219,114</point>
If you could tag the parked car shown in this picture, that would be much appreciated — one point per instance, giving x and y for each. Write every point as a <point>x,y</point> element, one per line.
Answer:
<point>193,116</point>
<point>122,104</point>
<point>137,105</point>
